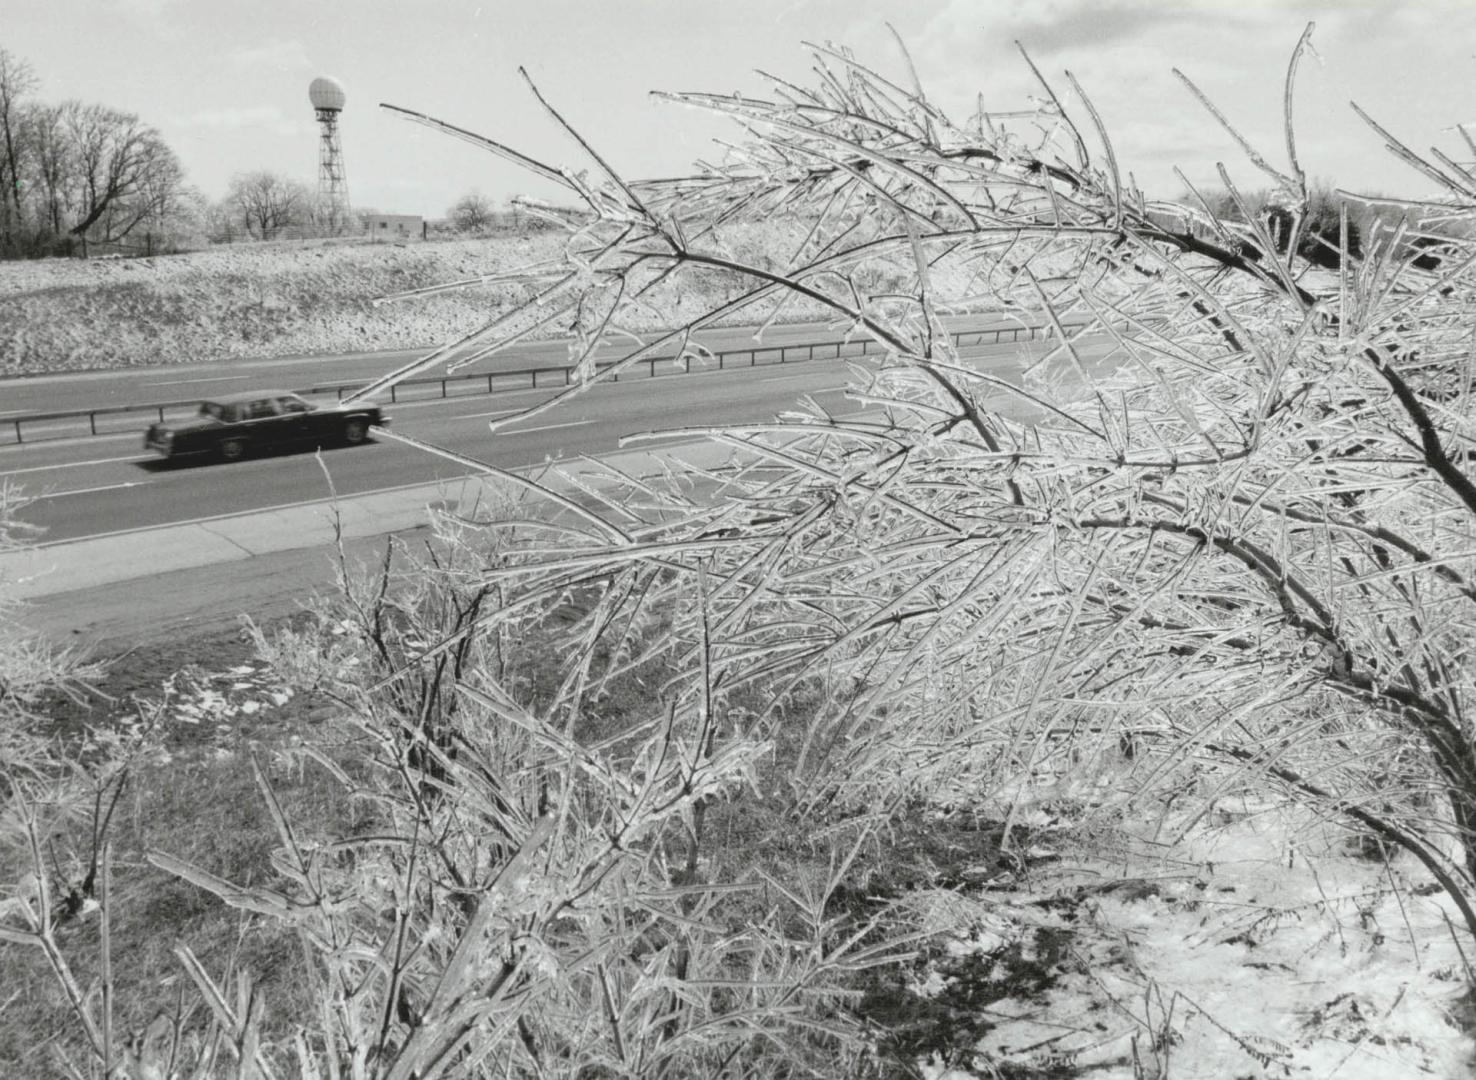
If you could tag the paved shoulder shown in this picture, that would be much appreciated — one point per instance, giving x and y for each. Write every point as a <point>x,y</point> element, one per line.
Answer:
<point>154,583</point>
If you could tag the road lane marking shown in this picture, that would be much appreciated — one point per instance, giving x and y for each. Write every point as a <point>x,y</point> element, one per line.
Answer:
<point>797,375</point>
<point>326,501</point>
<point>76,464</point>
<point>137,433</point>
<point>88,491</point>
<point>414,403</point>
<point>323,501</point>
<point>220,378</point>
<point>548,427</point>
<point>479,415</point>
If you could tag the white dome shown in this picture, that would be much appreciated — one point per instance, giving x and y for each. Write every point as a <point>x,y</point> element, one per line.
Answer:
<point>326,93</point>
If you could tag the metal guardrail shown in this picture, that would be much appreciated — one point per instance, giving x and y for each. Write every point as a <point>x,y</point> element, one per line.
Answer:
<point>528,378</point>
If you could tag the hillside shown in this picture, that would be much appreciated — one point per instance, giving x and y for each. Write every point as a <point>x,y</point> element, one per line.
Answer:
<point>265,300</point>
<point>244,300</point>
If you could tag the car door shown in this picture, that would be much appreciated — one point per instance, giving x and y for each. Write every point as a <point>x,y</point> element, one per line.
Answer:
<point>296,418</point>
<point>266,424</point>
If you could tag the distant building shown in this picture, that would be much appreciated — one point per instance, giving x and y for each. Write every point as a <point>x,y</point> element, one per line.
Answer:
<point>399,227</point>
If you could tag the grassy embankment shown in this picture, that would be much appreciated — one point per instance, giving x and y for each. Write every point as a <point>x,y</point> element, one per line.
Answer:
<point>281,300</point>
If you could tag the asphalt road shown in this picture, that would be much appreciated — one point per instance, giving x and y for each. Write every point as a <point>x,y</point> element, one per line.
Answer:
<point>107,484</point>
<point>83,390</point>
<point>90,487</point>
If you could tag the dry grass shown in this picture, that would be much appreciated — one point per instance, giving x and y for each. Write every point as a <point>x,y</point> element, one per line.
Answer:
<point>248,300</point>
<point>194,795</point>
<point>203,805</point>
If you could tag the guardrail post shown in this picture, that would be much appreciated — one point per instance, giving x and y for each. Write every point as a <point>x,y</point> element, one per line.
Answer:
<point>566,376</point>
<point>91,422</point>
<point>18,438</point>
<point>489,381</point>
<point>443,387</point>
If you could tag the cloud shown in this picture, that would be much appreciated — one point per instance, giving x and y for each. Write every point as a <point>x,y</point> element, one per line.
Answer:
<point>283,54</point>
<point>143,9</point>
<point>156,17</point>
<point>245,118</point>
<point>1070,26</point>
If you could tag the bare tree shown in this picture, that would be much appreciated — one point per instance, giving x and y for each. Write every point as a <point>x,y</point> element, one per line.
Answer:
<point>266,203</point>
<point>222,221</point>
<point>77,171</point>
<point>52,165</point>
<point>472,213</point>
<point>1221,521</point>
<point>16,81</point>
<point>123,168</point>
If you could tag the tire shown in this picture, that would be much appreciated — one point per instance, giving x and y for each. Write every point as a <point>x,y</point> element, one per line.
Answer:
<point>355,430</point>
<point>232,450</point>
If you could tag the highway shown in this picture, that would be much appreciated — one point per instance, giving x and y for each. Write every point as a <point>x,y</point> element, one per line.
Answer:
<point>92,487</point>
<point>92,389</point>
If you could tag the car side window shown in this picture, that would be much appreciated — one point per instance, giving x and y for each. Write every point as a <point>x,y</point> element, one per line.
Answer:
<point>264,408</point>
<point>230,413</point>
<point>295,405</point>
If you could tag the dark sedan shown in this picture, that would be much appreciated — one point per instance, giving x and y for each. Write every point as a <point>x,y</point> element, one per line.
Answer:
<point>232,427</point>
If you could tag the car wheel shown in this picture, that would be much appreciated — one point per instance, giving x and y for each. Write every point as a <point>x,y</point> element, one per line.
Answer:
<point>355,431</point>
<point>233,450</point>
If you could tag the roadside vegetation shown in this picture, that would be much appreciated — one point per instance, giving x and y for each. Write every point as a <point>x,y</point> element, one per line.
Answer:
<point>246,300</point>
<point>1129,740</point>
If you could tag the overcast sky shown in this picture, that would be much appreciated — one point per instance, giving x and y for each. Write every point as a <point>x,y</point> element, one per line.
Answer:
<point>226,80</point>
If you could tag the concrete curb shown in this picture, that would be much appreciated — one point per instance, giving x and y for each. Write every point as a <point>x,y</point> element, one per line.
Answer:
<point>77,565</point>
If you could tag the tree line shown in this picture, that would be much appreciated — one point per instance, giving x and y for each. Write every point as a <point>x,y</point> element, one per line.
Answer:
<point>74,173</point>
<point>76,177</point>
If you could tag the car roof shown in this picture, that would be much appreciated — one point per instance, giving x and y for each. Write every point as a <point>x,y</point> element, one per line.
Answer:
<point>253,395</point>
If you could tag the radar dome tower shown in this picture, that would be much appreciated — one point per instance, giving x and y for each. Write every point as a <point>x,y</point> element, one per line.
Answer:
<point>333,200</point>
